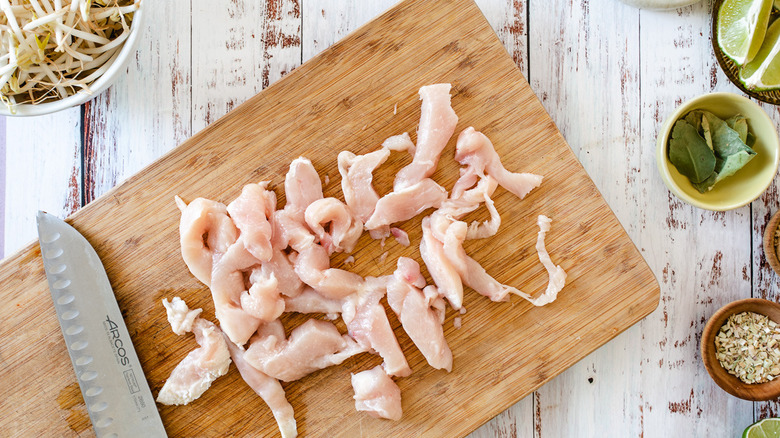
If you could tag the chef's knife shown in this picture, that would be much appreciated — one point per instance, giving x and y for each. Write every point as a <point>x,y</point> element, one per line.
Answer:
<point>112,382</point>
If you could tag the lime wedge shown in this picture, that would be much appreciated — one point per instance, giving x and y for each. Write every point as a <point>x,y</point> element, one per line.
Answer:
<point>769,428</point>
<point>763,72</point>
<point>741,27</point>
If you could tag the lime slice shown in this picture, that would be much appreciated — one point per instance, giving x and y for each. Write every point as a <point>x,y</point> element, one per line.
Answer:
<point>769,428</point>
<point>763,72</point>
<point>741,27</point>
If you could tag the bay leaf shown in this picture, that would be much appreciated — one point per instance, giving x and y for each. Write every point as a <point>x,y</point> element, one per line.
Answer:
<point>706,131</point>
<point>694,119</point>
<point>689,153</point>
<point>739,124</point>
<point>723,169</point>
<point>725,140</point>
<point>751,140</point>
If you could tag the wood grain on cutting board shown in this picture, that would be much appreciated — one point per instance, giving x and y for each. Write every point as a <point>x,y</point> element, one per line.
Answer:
<point>345,99</point>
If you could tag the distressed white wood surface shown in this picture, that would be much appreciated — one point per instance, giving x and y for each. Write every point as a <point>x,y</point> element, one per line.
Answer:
<point>606,72</point>
<point>701,258</point>
<point>42,172</point>
<point>147,112</point>
<point>597,113</point>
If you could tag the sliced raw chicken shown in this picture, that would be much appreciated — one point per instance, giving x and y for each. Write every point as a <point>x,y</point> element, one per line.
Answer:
<point>476,151</point>
<point>406,203</point>
<point>194,374</point>
<point>556,274</point>
<point>312,346</point>
<point>313,268</point>
<point>179,315</point>
<point>400,236</point>
<point>470,271</point>
<point>377,394</point>
<point>344,228</point>
<point>357,180</point>
<point>462,202</point>
<point>269,389</point>
<point>437,124</point>
<point>262,300</point>
<point>290,230</point>
<point>227,286</point>
<point>282,269</point>
<point>421,314</point>
<point>367,323</point>
<point>302,185</point>
<point>206,231</point>
<point>434,301</point>
<point>444,274</point>
<point>309,301</point>
<point>251,213</point>
<point>475,276</point>
<point>399,143</point>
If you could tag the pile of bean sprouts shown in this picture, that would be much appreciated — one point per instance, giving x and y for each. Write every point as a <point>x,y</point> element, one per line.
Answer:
<point>52,49</point>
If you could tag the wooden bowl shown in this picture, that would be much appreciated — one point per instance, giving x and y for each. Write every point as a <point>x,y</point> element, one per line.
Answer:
<point>731,69</point>
<point>729,383</point>
<point>769,243</point>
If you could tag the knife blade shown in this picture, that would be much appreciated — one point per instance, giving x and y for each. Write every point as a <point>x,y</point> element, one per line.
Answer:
<point>109,373</point>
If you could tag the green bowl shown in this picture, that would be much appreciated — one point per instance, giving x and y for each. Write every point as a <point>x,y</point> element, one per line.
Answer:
<point>749,182</point>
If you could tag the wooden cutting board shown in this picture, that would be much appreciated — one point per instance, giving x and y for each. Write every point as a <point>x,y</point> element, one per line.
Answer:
<point>352,96</point>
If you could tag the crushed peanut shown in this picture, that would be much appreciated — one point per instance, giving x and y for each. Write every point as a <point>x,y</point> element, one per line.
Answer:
<point>748,346</point>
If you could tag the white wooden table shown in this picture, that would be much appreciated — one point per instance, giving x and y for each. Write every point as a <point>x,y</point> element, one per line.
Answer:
<point>607,73</point>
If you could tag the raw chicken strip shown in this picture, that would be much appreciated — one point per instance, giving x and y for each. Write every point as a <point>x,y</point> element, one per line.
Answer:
<point>421,314</point>
<point>400,236</point>
<point>313,268</point>
<point>406,203</point>
<point>470,271</point>
<point>399,143</point>
<point>302,185</point>
<point>262,300</point>
<point>463,202</point>
<point>282,269</point>
<point>179,315</point>
<point>476,151</point>
<point>377,394</point>
<point>226,289</point>
<point>269,389</point>
<point>309,301</point>
<point>475,276</point>
<point>312,346</point>
<point>356,180</point>
<point>367,323</point>
<point>431,293</point>
<point>437,124</point>
<point>444,274</point>
<point>345,229</point>
<point>251,212</point>
<point>290,230</point>
<point>194,374</point>
<point>206,232</point>
<point>556,273</point>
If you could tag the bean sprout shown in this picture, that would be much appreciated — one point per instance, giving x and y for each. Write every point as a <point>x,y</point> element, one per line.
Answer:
<point>52,49</point>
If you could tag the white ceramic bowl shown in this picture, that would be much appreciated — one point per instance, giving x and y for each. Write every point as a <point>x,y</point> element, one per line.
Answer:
<point>99,85</point>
